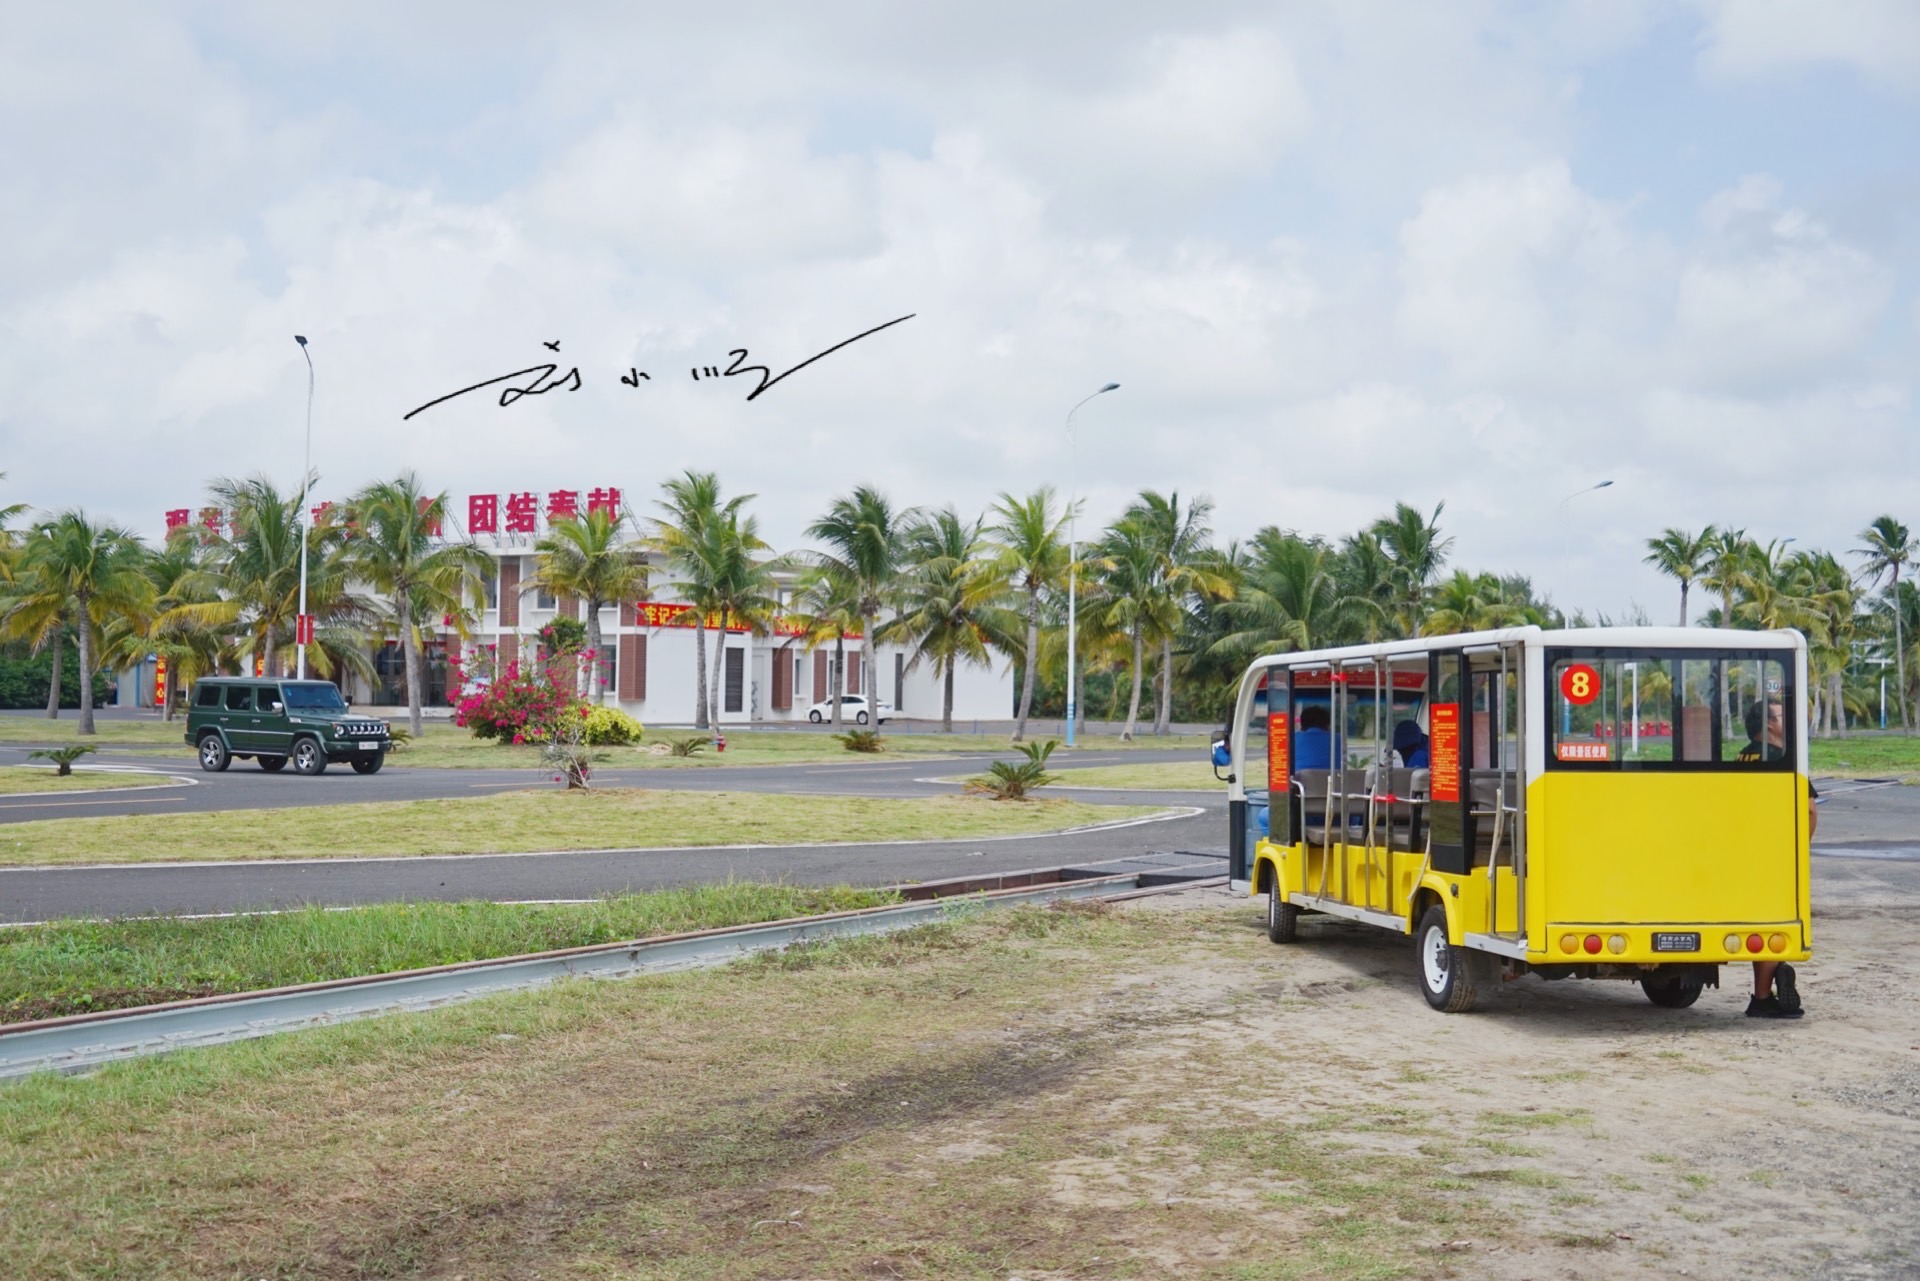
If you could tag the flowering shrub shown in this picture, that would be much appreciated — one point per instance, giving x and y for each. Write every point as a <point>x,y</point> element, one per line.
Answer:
<point>514,704</point>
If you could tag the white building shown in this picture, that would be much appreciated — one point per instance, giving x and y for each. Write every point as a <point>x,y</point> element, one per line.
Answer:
<point>647,656</point>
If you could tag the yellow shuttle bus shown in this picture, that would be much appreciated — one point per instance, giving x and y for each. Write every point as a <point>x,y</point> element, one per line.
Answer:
<point>1571,804</point>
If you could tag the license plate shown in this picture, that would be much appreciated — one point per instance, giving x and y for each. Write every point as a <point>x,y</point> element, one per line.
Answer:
<point>1676,942</point>
<point>369,744</point>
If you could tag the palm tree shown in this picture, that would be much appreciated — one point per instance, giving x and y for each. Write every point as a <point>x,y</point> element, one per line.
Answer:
<point>98,570</point>
<point>1288,598</point>
<point>951,600</point>
<point>1838,598</point>
<point>1186,565</point>
<point>1364,572</point>
<point>1680,555</point>
<point>1890,545</point>
<point>1471,603</point>
<point>692,503</point>
<point>396,550</point>
<point>1413,545</point>
<point>1127,560</point>
<point>744,588</point>
<point>1033,556</point>
<point>827,608</point>
<point>587,558</point>
<point>864,534</point>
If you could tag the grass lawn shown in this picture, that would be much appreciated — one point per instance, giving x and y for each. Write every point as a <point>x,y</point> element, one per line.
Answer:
<point>77,967</point>
<point>551,819</point>
<point>446,745</point>
<point>1867,756</point>
<point>1182,776</point>
<point>66,729</point>
<point>17,780</point>
<point>964,1101</point>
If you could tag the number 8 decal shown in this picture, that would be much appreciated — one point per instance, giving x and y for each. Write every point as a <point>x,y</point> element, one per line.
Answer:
<point>1580,684</point>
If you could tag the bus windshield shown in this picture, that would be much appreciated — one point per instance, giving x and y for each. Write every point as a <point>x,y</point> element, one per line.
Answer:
<point>313,696</point>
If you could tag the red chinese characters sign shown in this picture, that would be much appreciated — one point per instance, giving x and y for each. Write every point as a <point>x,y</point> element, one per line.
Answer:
<point>648,613</point>
<point>1443,751</point>
<point>1278,759</point>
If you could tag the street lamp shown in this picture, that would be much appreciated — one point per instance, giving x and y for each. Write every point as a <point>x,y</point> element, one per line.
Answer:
<point>303,625</point>
<point>1073,553</point>
<point>1588,490</point>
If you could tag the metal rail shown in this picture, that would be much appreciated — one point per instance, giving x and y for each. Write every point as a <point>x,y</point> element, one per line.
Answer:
<point>82,1042</point>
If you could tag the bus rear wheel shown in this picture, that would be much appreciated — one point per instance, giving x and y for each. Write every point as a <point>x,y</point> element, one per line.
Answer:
<point>1672,991</point>
<point>1446,971</point>
<point>1283,919</point>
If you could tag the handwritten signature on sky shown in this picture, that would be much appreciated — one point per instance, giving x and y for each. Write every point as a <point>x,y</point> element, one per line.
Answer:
<point>541,379</point>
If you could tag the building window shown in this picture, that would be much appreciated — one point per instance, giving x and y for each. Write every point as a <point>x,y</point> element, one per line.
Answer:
<point>542,598</point>
<point>607,667</point>
<point>492,579</point>
<point>899,681</point>
<point>736,680</point>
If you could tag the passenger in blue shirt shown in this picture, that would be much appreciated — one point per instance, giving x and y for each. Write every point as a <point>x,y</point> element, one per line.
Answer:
<point>1410,743</point>
<point>1313,741</point>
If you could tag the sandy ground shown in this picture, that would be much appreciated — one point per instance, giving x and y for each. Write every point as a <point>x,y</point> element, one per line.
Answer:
<point>1620,1140</point>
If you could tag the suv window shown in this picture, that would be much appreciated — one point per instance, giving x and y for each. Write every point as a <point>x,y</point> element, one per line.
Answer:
<point>239,698</point>
<point>267,698</point>
<point>207,696</point>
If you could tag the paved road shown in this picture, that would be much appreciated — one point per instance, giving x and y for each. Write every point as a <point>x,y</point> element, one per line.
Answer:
<point>34,894</point>
<point>245,786</point>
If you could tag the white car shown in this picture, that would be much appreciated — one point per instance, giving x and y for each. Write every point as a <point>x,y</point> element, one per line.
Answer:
<point>853,707</point>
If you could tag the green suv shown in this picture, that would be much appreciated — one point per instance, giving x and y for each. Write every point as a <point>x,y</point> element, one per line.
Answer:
<point>306,722</point>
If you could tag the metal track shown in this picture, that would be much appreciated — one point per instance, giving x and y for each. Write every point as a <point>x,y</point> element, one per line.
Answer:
<point>83,1042</point>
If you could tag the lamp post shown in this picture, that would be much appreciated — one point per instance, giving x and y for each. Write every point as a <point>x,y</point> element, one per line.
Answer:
<point>303,626</point>
<point>1588,490</point>
<point>1073,555</point>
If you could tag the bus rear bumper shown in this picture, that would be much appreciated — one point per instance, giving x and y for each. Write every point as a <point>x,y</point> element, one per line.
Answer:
<point>1722,944</point>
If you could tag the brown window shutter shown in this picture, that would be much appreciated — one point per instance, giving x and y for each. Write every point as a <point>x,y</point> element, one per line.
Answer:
<point>852,685</point>
<point>509,651</point>
<point>820,661</point>
<point>510,591</point>
<point>570,607</point>
<point>640,667</point>
<point>626,614</point>
<point>628,663</point>
<point>782,681</point>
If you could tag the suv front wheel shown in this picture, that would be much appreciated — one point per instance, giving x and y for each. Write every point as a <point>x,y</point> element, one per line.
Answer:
<point>308,757</point>
<point>214,756</point>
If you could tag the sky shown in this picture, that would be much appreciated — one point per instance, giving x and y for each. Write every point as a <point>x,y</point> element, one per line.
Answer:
<point>1337,255</point>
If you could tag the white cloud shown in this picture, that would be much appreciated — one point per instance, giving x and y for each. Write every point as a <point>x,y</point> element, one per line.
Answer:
<point>1746,38</point>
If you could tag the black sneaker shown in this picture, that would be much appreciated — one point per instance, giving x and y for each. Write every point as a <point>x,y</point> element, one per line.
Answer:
<point>1769,1007</point>
<point>1784,989</point>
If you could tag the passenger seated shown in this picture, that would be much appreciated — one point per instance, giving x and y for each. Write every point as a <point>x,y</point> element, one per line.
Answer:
<point>1410,745</point>
<point>1313,741</point>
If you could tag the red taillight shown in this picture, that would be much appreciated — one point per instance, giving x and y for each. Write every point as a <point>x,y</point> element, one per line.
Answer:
<point>1755,942</point>
<point>1592,944</point>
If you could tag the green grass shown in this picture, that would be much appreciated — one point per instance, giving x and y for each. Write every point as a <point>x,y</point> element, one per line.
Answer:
<point>1866,756</point>
<point>66,729</point>
<point>20,780</point>
<point>549,819</point>
<point>1180,776</point>
<point>76,967</point>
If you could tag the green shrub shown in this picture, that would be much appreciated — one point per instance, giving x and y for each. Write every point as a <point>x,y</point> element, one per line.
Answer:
<point>62,757</point>
<point>611,727</point>
<point>688,745</point>
<point>861,740</point>
<point>1017,780</point>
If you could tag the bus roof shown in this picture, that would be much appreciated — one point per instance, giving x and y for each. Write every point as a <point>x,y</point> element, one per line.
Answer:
<point>1706,638</point>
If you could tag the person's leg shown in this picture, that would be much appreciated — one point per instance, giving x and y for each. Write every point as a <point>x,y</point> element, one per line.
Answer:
<point>1763,978</point>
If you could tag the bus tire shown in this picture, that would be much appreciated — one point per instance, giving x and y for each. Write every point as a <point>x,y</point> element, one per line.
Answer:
<point>1672,991</point>
<point>1446,971</point>
<point>1283,919</point>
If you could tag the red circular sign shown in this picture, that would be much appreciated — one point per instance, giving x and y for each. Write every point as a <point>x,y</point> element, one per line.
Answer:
<point>1580,684</point>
